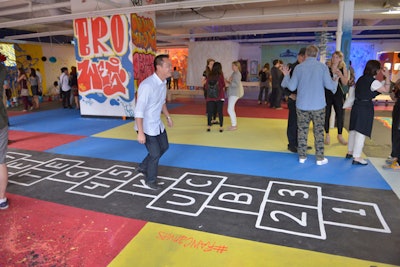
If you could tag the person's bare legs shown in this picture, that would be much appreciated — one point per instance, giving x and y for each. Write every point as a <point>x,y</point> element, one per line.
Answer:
<point>3,180</point>
<point>3,185</point>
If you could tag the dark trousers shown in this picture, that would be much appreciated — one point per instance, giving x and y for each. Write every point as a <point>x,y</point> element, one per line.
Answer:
<point>176,84</point>
<point>276,98</point>
<point>264,90</point>
<point>215,107</point>
<point>396,130</point>
<point>292,124</point>
<point>66,98</point>
<point>156,147</point>
<point>27,102</point>
<point>335,100</point>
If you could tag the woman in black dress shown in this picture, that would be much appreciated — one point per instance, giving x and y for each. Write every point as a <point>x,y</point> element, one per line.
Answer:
<point>362,112</point>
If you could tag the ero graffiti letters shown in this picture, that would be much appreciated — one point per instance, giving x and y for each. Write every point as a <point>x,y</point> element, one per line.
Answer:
<point>102,36</point>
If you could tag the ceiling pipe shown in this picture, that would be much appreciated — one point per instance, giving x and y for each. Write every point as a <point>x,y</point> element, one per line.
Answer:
<point>34,8</point>
<point>128,10</point>
<point>281,40</point>
<point>277,14</point>
<point>356,29</point>
<point>40,34</point>
<point>271,31</point>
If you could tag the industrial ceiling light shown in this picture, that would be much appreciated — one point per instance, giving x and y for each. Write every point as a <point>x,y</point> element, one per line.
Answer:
<point>393,7</point>
<point>391,4</point>
<point>137,2</point>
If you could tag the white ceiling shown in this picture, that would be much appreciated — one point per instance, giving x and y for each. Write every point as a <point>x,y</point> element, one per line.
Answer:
<point>178,22</point>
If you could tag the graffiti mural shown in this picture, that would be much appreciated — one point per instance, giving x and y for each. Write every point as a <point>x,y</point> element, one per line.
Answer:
<point>105,68</point>
<point>144,46</point>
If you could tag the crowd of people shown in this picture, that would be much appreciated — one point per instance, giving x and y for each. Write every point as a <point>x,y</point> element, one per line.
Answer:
<point>312,88</point>
<point>29,88</point>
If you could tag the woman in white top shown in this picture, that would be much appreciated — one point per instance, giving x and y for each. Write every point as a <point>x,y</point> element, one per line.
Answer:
<point>235,91</point>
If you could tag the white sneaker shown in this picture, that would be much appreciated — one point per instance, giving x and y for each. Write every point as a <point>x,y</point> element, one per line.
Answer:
<point>302,160</point>
<point>322,162</point>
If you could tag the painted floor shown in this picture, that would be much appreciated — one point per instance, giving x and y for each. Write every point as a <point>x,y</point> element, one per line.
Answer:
<point>229,199</point>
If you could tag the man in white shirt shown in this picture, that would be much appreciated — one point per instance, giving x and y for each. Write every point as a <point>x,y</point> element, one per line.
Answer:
<point>65,88</point>
<point>151,130</point>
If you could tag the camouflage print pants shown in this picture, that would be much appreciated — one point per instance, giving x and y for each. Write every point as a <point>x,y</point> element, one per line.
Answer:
<point>303,123</point>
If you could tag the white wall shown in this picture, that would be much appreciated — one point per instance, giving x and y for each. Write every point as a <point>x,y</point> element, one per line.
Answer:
<point>65,57</point>
<point>251,53</point>
<point>224,52</point>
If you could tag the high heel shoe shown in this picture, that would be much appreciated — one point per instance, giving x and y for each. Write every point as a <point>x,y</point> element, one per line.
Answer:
<point>341,139</point>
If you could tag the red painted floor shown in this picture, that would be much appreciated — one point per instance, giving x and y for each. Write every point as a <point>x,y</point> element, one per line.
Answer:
<point>39,141</point>
<point>40,233</point>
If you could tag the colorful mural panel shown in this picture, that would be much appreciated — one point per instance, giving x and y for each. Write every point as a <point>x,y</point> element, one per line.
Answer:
<point>144,46</point>
<point>104,63</point>
<point>8,51</point>
<point>25,56</point>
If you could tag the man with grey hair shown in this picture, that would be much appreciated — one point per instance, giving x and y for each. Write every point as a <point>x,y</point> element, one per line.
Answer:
<point>310,78</point>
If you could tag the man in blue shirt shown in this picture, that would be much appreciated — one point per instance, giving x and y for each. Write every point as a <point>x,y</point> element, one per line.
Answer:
<point>310,78</point>
<point>151,130</point>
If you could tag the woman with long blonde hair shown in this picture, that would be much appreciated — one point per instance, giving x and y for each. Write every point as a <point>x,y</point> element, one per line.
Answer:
<point>235,91</point>
<point>336,67</point>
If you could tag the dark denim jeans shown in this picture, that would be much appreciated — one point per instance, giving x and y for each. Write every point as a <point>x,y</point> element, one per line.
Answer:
<point>66,98</point>
<point>156,147</point>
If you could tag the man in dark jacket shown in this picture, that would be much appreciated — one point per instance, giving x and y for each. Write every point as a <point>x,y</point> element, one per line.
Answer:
<point>277,91</point>
<point>292,118</point>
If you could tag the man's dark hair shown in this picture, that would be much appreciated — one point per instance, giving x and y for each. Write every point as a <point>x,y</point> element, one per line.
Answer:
<point>372,67</point>
<point>302,51</point>
<point>64,69</point>
<point>276,61</point>
<point>159,60</point>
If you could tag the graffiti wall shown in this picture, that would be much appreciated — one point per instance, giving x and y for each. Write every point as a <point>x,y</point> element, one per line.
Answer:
<point>27,56</point>
<point>104,64</point>
<point>11,65</point>
<point>55,57</point>
<point>143,46</point>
